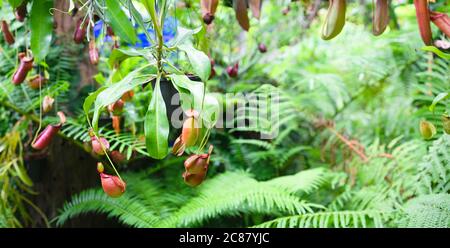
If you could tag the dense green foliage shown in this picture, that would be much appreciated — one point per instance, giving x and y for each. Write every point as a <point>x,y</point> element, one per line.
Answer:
<point>318,80</point>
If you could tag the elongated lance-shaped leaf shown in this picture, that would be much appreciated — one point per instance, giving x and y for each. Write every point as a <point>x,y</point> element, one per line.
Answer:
<point>335,20</point>
<point>116,90</point>
<point>380,18</point>
<point>199,61</point>
<point>156,126</point>
<point>89,101</point>
<point>22,174</point>
<point>139,20</point>
<point>151,9</point>
<point>118,55</point>
<point>183,35</point>
<point>210,111</point>
<point>41,28</point>
<point>423,20</point>
<point>119,22</point>
<point>193,89</point>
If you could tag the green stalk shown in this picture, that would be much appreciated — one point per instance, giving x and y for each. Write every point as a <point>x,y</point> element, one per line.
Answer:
<point>150,6</point>
<point>151,9</point>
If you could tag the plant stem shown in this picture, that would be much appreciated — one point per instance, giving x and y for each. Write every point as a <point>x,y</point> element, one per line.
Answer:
<point>151,9</point>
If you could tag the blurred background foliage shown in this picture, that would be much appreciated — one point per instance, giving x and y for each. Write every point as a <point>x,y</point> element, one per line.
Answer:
<point>348,153</point>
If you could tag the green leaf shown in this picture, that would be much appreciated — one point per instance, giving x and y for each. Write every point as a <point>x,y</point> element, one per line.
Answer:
<point>196,89</point>
<point>150,5</point>
<point>182,35</point>
<point>210,112</point>
<point>113,92</point>
<point>139,20</point>
<point>91,99</point>
<point>119,55</point>
<point>119,22</point>
<point>15,3</point>
<point>156,125</point>
<point>437,99</point>
<point>199,61</point>
<point>436,51</point>
<point>41,28</point>
<point>22,174</point>
<point>202,40</point>
<point>100,79</point>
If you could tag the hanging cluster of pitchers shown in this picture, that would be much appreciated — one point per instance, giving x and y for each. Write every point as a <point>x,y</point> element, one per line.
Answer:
<point>335,19</point>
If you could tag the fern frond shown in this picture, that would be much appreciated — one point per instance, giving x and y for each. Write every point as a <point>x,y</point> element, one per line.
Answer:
<point>329,86</point>
<point>234,193</point>
<point>284,156</point>
<point>73,129</point>
<point>305,181</point>
<point>435,168</point>
<point>154,195</point>
<point>372,197</point>
<point>126,143</point>
<point>128,210</point>
<point>432,211</point>
<point>340,200</point>
<point>337,219</point>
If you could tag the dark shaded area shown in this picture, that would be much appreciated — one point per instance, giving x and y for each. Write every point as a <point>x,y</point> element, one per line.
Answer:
<point>67,170</point>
